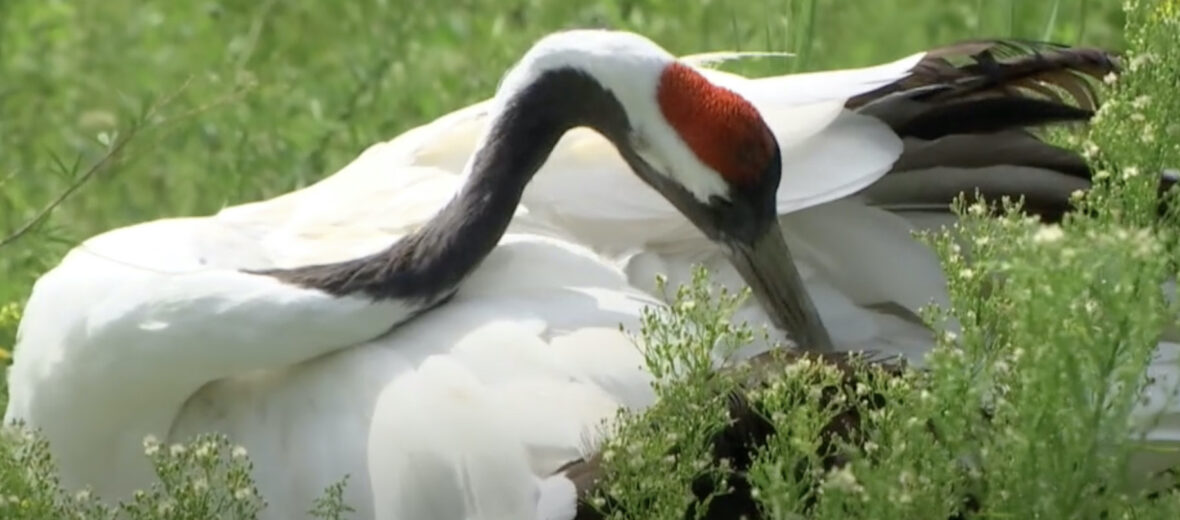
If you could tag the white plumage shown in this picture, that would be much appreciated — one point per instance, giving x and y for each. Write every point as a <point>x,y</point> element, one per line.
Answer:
<point>462,412</point>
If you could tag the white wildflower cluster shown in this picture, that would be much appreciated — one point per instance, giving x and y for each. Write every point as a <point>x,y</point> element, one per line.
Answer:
<point>1140,60</point>
<point>243,493</point>
<point>1049,233</point>
<point>843,479</point>
<point>207,477</point>
<point>654,457</point>
<point>151,445</point>
<point>978,209</point>
<point>1090,149</point>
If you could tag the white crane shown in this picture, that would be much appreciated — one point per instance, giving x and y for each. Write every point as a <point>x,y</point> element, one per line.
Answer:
<point>853,243</point>
<point>271,321</point>
<point>868,155</point>
<point>179,326</point>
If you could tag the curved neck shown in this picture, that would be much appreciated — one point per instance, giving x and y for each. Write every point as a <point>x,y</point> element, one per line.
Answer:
<point>427,266</point>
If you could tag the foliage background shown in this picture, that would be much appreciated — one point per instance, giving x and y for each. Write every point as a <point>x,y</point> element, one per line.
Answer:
<point>232,101</point>
<point>281,94</point>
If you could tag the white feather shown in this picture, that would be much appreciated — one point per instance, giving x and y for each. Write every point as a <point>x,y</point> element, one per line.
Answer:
<point>130,324</point>
<point>812,87</point>
<point>463,412</point>
<point>557,499</point>
<point>709,59</point>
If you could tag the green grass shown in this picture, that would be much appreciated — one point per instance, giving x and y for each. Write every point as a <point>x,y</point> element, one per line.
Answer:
<point>261,99</point>
<point>235,101</point>
<point>280,94</point>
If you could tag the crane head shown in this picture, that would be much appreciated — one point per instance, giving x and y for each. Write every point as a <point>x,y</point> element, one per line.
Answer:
<point>704,147</point>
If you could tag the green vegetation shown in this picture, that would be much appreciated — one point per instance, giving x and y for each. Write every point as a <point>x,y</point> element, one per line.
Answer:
<point>671,438</point>
<point>1059,323</point>
<point>264,97</point>
<point>202,104</point>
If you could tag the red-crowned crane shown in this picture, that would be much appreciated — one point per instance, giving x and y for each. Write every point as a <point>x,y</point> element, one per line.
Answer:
<point>410,322</point>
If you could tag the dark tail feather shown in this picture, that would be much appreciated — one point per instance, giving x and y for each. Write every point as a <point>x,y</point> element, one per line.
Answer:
<point>999,85</point>
<point>929,175</point>
<point>1014,147</point>
<point>965,113</point>
<point>1046,193</point>
<point>1002,68</point>
<point>986,115</point>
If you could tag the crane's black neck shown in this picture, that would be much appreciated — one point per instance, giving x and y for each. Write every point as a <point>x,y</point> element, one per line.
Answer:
<point>427,266</point>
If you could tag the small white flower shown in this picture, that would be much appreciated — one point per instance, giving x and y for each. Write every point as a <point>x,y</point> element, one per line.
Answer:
<point>200,485</point>
<point>701,464</point>
<point>1148,133</point>
<point>177,450</point>
<point>151,445</point>
<point>861,388</point>
<point>1050,233</point>
<point>1140,60</point>
<point>238,452</point>
<point>798,367</point>
<point>844,479</point>
<point>82,496</point>
<point>1089,149</point>
<point>814,393</point>
<point>243,494</point>
<point>203,450</point>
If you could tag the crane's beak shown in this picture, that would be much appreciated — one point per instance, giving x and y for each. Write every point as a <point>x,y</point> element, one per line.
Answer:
<point>764,261</point>
<point>766,265</point>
